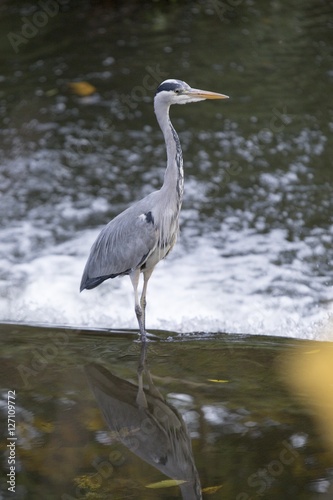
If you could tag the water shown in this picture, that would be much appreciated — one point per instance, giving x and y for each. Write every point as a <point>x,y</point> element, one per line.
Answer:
<point>219,414</point>
<point>255,251</point>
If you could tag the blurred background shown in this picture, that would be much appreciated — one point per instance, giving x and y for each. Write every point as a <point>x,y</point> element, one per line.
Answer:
<point>79,143</point>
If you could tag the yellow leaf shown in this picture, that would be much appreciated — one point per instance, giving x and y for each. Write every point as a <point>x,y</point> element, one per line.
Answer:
<point>212,489</point>
<point>167,483</point>
<point>218,381</point>
<point>82,89</point>
<point>87,481</point>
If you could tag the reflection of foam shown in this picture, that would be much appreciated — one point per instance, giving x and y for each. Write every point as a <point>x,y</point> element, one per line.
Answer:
<point>240,289</point>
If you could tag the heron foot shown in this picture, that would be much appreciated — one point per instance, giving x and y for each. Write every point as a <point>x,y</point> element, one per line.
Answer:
<point>143,336</point>
<point>147,337</point>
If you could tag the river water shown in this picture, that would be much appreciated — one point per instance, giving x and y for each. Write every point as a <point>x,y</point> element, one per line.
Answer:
<point>255,249</point>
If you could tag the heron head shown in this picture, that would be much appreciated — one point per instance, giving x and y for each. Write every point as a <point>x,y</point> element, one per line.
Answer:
<point>178,92</point>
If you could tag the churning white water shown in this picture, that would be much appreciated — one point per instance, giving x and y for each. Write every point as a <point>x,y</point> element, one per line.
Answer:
<point>232,280</point>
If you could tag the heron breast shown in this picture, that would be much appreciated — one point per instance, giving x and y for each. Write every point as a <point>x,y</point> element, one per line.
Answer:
<point>157,254</point>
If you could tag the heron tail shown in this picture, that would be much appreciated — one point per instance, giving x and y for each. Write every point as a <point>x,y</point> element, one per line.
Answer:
<point>90,283</point>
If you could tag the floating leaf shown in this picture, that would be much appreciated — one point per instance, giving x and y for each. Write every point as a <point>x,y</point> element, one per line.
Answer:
<point>87,481</point>
<point>51,92</point>
<point>212,489</point>
<point>82,89</point>
<point>167,483</point>
<point>218,381</point>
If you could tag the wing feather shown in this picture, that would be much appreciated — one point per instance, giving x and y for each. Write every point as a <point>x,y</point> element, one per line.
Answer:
<point>122,246</point>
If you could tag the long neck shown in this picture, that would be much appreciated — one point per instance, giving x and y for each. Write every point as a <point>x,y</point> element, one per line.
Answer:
<point>174,175</point>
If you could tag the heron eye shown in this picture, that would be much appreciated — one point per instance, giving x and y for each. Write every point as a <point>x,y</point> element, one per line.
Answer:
<point>177,91</point>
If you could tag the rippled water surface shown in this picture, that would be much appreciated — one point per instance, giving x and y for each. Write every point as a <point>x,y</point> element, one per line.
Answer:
<point>255,251</point>
<point>214,413</point>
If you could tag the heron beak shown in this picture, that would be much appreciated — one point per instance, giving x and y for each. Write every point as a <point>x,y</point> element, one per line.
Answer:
<point>206,94</point>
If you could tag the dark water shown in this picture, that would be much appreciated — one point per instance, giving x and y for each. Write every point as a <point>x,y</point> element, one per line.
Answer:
<point>218,413</point>
<point>254,256</point>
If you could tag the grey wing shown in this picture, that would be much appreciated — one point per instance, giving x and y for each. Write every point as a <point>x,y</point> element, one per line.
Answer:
<point>122,246</point>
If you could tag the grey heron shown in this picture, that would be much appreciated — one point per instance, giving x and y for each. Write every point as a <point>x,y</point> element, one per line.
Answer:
<point>139,237</point>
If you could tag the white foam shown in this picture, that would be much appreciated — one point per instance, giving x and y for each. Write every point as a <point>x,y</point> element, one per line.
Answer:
<point>237,288</point>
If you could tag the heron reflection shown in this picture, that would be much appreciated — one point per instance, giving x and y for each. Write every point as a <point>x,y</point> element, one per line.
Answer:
<point>146,424</point>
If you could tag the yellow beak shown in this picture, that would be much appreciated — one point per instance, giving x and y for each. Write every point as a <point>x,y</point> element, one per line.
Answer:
<point>206,94</point>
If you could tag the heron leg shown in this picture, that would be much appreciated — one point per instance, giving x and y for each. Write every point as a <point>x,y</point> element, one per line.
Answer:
<point>135,276</point>
<point>143,301</point>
